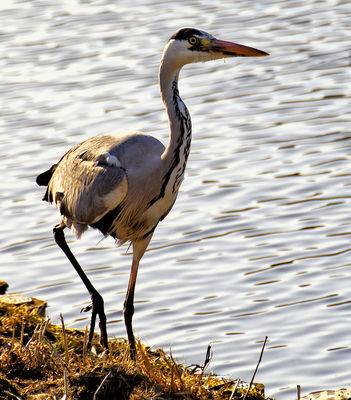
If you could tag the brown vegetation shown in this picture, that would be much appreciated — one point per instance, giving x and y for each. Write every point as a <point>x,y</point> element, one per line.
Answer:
<point>39,360</point>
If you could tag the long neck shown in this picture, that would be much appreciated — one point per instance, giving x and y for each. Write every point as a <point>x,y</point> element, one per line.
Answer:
<point>176,153</point>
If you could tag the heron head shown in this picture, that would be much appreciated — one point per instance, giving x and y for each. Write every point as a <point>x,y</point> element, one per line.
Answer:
<point>193,45</point>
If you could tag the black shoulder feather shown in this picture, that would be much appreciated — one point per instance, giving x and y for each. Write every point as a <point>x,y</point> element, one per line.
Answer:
<point>44,178</point>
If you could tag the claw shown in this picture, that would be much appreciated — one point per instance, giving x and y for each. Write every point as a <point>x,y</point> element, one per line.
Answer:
<point>87,308</point>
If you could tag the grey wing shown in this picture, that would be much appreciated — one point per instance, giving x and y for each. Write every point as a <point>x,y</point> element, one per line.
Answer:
<point>87,183</point>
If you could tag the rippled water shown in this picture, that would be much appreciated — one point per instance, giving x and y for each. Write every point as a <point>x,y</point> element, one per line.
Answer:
<point>258,242</point>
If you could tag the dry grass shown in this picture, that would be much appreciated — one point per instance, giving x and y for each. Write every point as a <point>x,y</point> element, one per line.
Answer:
<point>39,360</point>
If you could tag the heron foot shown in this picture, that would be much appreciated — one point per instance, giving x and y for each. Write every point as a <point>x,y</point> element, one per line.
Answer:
<point>87,308</point>
<point>97,309</point>
<point>132,349</point>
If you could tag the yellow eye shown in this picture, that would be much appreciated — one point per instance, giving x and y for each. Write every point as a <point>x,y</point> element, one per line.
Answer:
<point>193,40</point>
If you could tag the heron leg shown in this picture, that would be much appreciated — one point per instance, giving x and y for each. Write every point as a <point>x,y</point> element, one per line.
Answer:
<point>96,298</point>
<point>128,308</point>
<point>139,247</point>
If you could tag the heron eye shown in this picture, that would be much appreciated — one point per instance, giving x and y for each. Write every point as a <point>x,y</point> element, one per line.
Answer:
<point>193,40</point>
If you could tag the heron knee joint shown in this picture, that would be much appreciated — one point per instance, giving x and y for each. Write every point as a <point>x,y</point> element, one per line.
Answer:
<point>128,310</point>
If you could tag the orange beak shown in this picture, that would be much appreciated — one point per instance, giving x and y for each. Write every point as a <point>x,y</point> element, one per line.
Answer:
<point>229,49</point>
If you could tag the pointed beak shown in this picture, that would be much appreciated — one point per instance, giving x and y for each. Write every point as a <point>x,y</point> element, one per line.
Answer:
<point>229,49</point>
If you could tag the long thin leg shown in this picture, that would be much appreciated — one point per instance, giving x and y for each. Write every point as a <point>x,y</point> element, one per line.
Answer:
<point>97,300</point>
<point>139,247</point>
<point>128,308</point>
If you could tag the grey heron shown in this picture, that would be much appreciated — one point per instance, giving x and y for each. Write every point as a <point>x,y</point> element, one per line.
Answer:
<point>125,184</point>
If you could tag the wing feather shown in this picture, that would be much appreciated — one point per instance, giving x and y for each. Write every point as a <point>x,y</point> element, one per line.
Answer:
<point>90,182</point>
<point>107,182</point>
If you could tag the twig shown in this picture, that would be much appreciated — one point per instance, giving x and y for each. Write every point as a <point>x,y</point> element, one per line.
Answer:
<point>13,338</point>
<point>43,326</point>
<point>258,363</point>
<point>207,359</point>
<point>85,344</point>
<point>202,367</point>
<point>298,388</point>
<point>64,338</point>
<point>179,375</point>
<point>22,333</point>
<point>40,335</point>
<point>234,389</point>
<point>101,385</point>
<point>33,336</point>
<point>13,395</point>
<point>64,367</point>
<point>172,385</point>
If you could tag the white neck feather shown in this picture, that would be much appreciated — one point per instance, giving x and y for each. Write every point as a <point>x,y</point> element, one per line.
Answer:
<point>178,115</point>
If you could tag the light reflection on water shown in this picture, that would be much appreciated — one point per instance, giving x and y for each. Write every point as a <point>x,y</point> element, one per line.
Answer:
<point>258,242</point>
